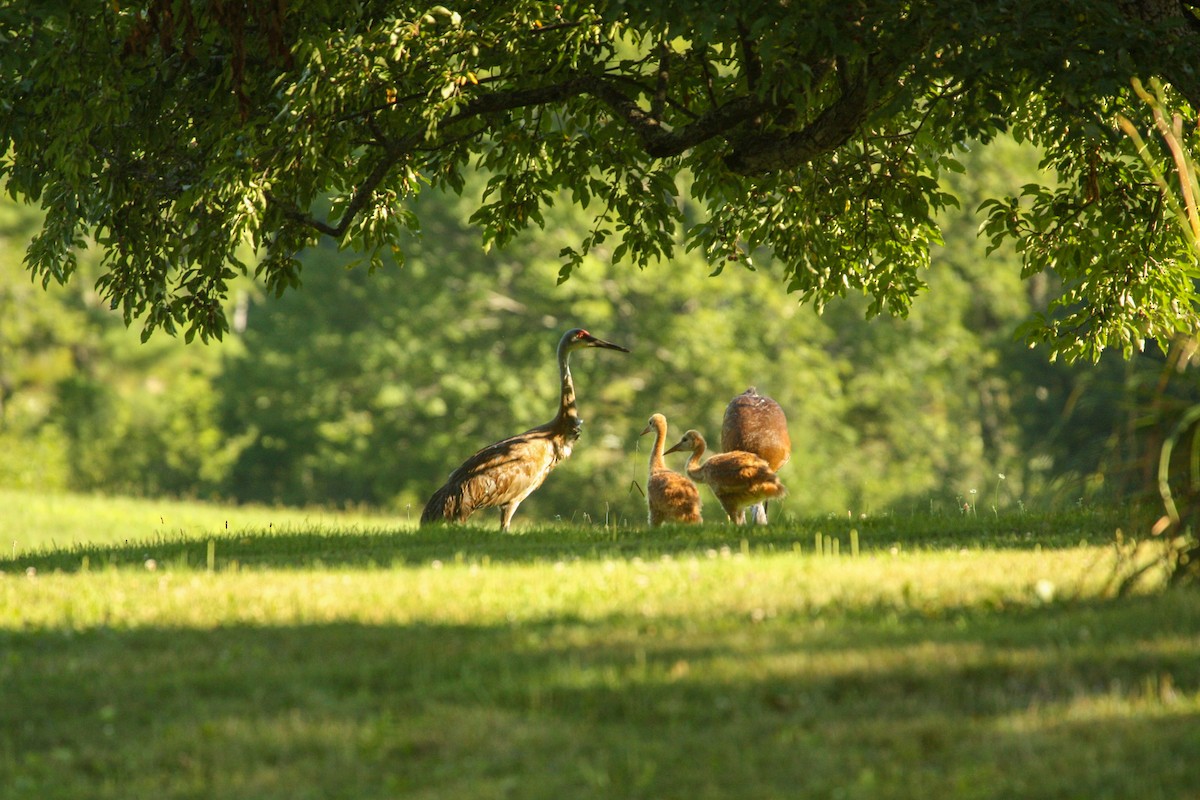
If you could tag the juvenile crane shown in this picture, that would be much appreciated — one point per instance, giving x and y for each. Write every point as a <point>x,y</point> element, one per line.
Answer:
<point>670,496</point>
<point>756,424</point>
<point>738,479</point>
<point>505,473</point>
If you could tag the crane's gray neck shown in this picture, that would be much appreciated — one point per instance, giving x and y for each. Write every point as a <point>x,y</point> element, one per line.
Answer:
<point>568,415</point>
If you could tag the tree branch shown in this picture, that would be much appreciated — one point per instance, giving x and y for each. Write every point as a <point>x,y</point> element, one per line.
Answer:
<point>392,153</point>
<point>751,63</point>
<point>661,143</point>
<point>656,140</point>
<point>833,127</point>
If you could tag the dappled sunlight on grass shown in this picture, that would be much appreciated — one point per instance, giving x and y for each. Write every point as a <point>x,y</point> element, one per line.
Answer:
<point>743,587</point>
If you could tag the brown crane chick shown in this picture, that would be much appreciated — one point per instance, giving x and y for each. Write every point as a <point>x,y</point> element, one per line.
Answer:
<point>670,496</point>
<point>505,473</point>
<point>738,479</point>
<point>756,424</point>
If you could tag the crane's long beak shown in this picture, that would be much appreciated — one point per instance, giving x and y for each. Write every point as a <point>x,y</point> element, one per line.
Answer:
<point>592,341</point>
<point>675,448</point>
<point>646,430</point>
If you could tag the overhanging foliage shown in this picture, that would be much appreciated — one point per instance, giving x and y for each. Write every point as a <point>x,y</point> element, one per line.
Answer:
<point>196,139</point>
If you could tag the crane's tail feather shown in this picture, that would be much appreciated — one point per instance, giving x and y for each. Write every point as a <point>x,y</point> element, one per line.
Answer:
<point>446,505</point>
<point>769,488</point>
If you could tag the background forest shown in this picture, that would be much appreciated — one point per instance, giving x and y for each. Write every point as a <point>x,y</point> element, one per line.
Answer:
<point>366,389</point>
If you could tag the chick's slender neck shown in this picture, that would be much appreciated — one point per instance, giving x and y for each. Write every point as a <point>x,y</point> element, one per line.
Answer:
<point>693,464</point>
<point>656,453</point>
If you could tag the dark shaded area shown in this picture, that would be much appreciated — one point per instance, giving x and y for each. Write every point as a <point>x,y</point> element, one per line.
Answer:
<point>618,707</point>
<point>303,549</point>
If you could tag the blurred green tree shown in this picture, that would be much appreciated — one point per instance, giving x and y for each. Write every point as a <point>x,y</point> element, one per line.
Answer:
<point>83,404</point>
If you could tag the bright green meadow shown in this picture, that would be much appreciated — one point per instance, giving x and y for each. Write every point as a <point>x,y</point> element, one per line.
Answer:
<point>173,650</point>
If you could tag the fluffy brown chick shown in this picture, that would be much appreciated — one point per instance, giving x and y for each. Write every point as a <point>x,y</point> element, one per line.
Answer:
<point>738,479</point>
<point>670,497</point>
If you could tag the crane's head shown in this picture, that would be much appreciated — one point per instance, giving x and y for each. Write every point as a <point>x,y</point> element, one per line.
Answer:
<point>577,338</point>
<point>692,440</point>
<point>657,423</point>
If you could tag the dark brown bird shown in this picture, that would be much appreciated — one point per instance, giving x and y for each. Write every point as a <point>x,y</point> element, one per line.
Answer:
<point>505,473</point>
<point>670,496</point>
<point>738,479</point>
<point>756,424</point>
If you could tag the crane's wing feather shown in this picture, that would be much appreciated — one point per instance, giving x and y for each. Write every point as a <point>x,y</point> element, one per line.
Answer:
<point>743,471</point>
<point>496,475</point>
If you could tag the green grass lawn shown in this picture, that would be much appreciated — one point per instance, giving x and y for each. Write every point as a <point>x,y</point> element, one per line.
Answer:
<point>297,656</point>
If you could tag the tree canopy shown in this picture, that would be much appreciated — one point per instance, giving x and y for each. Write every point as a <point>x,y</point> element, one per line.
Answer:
<point>194,140</point>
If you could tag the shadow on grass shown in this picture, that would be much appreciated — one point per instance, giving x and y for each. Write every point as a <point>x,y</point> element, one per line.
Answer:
<point>305,548</point>
<point>1089,701</point>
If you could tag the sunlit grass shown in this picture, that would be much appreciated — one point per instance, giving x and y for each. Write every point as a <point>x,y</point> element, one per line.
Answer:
<point>754,587</point>
<point>33,520</point>
<point>949,658</point>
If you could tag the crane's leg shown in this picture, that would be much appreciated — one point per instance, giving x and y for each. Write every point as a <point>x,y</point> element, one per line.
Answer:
<point>760,513</point>
<point>506,514</point>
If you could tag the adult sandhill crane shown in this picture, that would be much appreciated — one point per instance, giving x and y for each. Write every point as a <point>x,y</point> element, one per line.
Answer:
<point>670,496</point>
<point>737,478</point>
<point>756,424</point>
<point>505,473</point>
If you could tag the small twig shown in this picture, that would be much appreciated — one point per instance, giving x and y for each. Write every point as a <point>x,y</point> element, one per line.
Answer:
<point>658,105</point>
<point>554,27</point>
<point>751,63</point>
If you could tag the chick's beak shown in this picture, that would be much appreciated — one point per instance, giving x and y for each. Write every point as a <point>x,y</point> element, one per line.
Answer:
<point>675,447</point>
<point>646,430</point>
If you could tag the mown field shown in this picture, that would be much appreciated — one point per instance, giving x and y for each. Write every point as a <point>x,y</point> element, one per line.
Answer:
<point>147,650</point>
